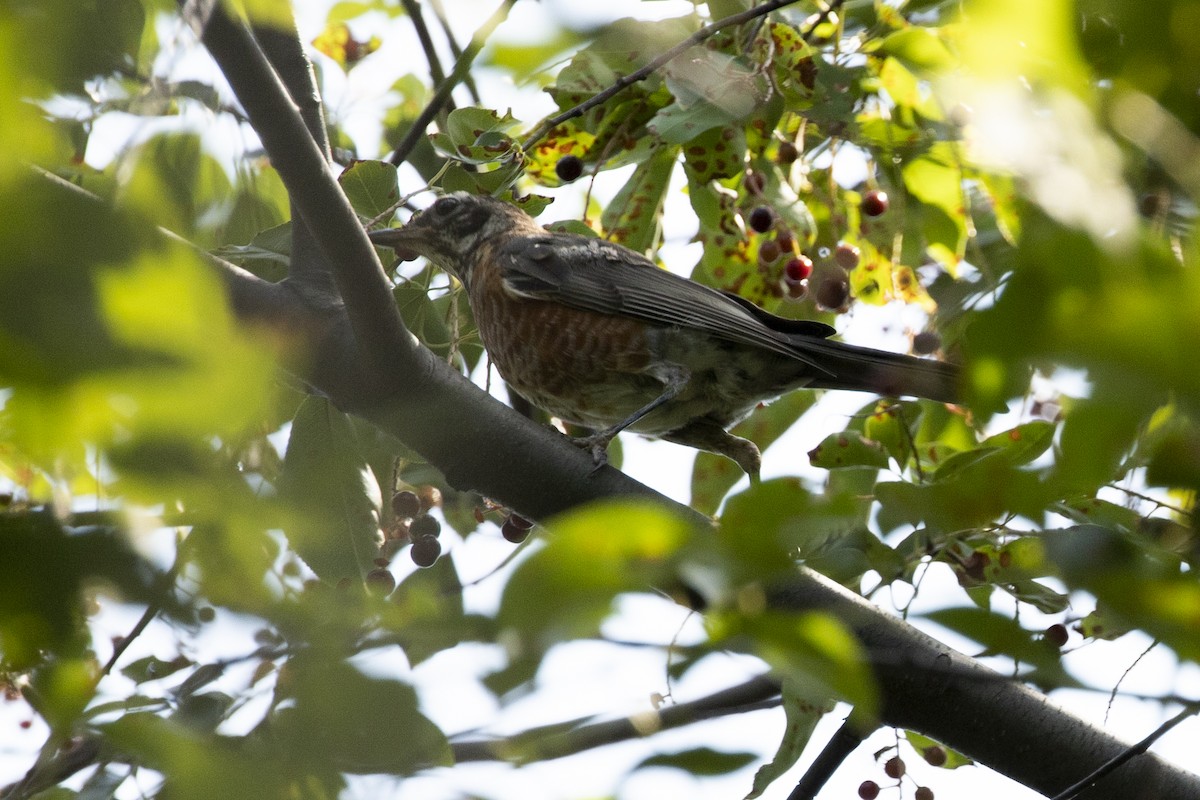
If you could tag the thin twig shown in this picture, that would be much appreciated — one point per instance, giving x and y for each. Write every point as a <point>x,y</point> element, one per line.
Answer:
<point>440,12</point>
<point>1094,777</point>
<point>624,82</point>
<point>442,94</point>
<point>431,56</point>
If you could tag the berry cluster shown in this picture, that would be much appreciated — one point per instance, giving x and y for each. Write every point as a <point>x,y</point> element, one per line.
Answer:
<point>415,523</point>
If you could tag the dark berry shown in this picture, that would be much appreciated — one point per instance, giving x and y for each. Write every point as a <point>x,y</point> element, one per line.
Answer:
<point>380,582</point>
<point>761,219</point>
<point>833,292</point>
<point>425,551</point>
<point>787,153</point>
<point>520,522</point>
<point>875,203</point>
<point>926,342</point>
<point>568,168</point>
<point>431,497</point>
<point>513,532</point>
<point>847,255</point>
<point>424,525</point>
<point>754,182</point>
<point>785,239</point>
<point>797,269</point>
<point>768,252</point>
<point>1056,634</point>
<point>795,291</point>
<point>923,793</point>
<point>934,755</point>
<point>894,768</point>
<point>868,790</point>
<point>206,614</point>
<point>406,505</point>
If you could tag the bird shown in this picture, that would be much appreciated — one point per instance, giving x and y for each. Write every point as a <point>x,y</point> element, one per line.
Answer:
<point>597,335</point>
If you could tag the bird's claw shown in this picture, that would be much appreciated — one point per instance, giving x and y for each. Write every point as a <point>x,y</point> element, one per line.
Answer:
<point>596,444</point>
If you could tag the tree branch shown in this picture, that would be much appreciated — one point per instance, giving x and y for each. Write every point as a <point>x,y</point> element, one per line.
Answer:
<point>461,67</point>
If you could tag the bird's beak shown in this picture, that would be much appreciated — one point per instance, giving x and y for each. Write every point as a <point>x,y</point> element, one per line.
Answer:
<point>395,238</point>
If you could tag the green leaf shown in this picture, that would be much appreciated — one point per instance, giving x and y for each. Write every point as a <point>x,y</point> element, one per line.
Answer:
<point>699,761</point>
<point>848,449</point>
<point>633,218</point>
<point>804,709</point>
<point>591,556</point>
<point>371,187</point>
<point>1023,443</point>
<point>335,495</point>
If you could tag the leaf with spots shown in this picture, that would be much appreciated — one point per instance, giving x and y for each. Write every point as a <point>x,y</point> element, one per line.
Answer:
<point>632,218</point>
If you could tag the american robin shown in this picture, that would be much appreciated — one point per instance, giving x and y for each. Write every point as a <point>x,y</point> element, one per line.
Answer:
<point>597,335</point>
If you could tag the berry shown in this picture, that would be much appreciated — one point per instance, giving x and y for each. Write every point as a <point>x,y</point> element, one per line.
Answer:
<point>425,551</point>
<point>785,239</point>
<point>868,790</point>
<point>894,768</point>
<point>787,153</point>
<point>847,255</point>
<point>797,269</point>
<point>513,531</point>
<point>206,614</point>
<point>425,525</point>
<point>923,793</point>
<point>1056,634</point>
<point>796,291</point>
<point>761,219</point>
<point>520,522</point>
<point>926,342</point>
<point>406,505</point>
<point>875,203</point>
<point>568,168</point>
<point>833,292</point>
<point>380,582</point>
<point>754,182</point>
<point>934,755</point>
<point>431,497</point>
<point>768,252</point>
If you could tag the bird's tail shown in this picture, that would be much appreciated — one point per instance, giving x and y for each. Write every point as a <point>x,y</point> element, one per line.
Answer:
<point>862,369</point>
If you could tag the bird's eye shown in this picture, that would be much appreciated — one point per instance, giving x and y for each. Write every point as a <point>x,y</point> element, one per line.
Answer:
<point>444,206</point>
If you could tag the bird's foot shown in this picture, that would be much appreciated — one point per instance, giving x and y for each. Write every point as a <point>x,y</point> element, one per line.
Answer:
<point>596,444</point>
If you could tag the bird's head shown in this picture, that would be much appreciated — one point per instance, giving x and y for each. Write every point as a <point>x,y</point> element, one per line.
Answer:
<point>451,230</point>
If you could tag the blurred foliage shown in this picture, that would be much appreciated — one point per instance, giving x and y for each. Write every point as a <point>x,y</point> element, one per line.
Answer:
<point>1039,164</point>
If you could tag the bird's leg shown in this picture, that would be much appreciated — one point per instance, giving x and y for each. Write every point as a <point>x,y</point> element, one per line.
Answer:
<point>710,435</point>
<point>598,443</point>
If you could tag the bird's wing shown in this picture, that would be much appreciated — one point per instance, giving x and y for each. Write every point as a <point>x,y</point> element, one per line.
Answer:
<point>600,276</point>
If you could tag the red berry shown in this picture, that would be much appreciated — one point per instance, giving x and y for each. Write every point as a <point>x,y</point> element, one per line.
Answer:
<point>923,793</point>
<point>797,269</point>
<point>875,203</point>
<point>934,755</point>
<point>1057,634</point>
<point>425,525</point>
<point>787,153</point>
<point>761,219</point>
<point>425,551</point>
<point>847,255</point>
<point>568,168</point>
<point>868,790</point>
<point>406,505</point>
<point>926,342</point>
<point>894,768</point>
